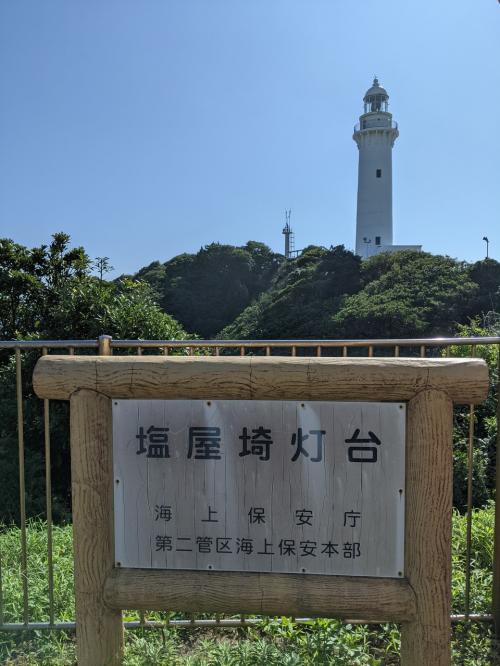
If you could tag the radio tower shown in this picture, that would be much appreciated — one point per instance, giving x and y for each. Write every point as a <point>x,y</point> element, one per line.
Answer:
<point>289,236</point>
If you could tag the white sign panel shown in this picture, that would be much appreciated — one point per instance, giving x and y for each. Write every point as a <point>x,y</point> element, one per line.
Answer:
<point>249,485</point>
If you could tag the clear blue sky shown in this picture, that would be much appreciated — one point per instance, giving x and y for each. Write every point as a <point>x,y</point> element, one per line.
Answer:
<point>149,128</point>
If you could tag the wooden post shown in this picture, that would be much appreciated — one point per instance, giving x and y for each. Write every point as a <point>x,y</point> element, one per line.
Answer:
<point>99,629</point>
<point>429,484</point>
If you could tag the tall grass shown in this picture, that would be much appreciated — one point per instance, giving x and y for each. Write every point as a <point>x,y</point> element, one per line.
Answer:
<point>276,642</point>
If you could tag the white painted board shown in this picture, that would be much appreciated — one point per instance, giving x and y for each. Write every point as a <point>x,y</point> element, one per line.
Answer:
<point>250,485</point>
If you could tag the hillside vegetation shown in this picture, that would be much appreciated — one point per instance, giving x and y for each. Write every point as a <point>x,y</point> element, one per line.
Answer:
<point>208,290</point>
<point>52,292</point>
<point>333,294</point>
<point>251,292</point>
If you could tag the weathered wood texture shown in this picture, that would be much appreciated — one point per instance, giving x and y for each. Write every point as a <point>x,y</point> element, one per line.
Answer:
<point>429,476</point>
<point>98,628</point>
<point>261,378</point>
<point>376,599</point>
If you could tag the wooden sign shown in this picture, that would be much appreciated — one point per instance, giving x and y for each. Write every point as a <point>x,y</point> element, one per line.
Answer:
<point>253,485</point>
<point>173,462</point>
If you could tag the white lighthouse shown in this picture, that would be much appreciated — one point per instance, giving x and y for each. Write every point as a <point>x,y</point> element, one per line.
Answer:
<point>375,135</point>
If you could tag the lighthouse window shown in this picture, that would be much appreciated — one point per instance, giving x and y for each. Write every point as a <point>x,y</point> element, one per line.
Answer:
<point>377,240</point>
<point>379,173</point>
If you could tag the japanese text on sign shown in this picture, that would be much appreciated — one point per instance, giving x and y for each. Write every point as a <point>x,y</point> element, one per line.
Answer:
<point>295,487</point>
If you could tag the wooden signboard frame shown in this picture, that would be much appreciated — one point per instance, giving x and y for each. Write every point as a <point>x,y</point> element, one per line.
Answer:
<point>420,601</point>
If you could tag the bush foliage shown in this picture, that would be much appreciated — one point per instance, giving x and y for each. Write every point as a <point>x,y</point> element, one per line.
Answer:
<point>207,290</point>
<point>50,292</point>
<point>333,294</point>
<point>275,642</point>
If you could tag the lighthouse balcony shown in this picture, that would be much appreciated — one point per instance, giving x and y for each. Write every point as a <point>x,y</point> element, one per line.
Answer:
<point>375,123</point>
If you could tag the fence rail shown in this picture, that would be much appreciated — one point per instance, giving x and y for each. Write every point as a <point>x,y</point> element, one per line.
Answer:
<point>105,345</point>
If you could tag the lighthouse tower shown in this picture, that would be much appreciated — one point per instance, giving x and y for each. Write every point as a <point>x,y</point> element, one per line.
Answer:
<point>375,135</point>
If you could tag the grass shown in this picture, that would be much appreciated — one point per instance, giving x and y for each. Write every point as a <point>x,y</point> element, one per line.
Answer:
<point>277,642</point>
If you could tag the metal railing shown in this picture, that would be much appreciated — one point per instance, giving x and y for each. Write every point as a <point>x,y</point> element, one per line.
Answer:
<point>105,345</point>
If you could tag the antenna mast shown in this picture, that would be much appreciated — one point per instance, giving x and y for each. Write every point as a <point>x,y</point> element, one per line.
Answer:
<point>289,235</point>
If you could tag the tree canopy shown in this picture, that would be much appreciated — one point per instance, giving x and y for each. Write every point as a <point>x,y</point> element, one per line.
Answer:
<point>50,292</point>
<point>207,290</point>
<point>56,291</point>
<point>333,294</point>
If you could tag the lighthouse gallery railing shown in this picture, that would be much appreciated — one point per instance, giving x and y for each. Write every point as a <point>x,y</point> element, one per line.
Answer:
<point>391,124</point>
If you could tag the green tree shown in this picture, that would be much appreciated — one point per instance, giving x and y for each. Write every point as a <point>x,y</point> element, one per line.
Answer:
<point>30,279</point>
<point>406,294</point>
<point>50,293</point>
<point>331,293</point>
<point>154,275</point>
<point>102,266</point>
<point>486,274</point>
<point>302,297</point>
<point>127,309</point>
<point>207,290</point>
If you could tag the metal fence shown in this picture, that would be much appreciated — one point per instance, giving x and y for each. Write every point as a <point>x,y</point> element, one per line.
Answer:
<point>105,345</point>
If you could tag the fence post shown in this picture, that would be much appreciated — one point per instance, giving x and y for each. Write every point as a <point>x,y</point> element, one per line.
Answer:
<point>429,483</point>
<point>496,554</point>
<point>99,629</point>
<point>105,345</point>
